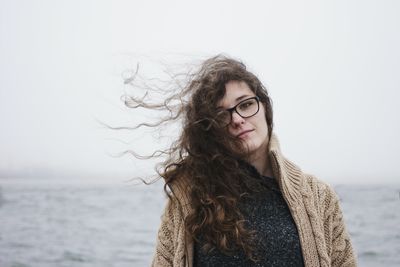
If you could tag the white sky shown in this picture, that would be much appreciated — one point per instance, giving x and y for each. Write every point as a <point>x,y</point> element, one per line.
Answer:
<point>332,69</point>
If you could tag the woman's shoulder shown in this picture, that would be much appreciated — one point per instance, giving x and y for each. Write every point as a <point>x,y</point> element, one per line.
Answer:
<point>319,189</point>
<point>315,182</point>
<point>179,194</point>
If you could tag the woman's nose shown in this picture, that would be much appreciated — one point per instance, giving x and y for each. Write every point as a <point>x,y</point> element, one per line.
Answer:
<point>236,118</point>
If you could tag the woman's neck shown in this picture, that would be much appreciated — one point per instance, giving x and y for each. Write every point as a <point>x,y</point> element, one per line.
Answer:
<point>260,161</point>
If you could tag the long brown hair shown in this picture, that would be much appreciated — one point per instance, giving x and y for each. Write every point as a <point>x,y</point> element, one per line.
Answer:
<point>209,159</point>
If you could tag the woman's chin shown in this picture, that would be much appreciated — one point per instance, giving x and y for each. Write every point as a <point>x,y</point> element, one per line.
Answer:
<point>249,146</point>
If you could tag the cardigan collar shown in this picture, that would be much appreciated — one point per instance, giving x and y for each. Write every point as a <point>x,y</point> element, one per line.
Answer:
<point>287,173</point>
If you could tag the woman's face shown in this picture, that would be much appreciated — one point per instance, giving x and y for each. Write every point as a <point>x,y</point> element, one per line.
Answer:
<point>253,131</point>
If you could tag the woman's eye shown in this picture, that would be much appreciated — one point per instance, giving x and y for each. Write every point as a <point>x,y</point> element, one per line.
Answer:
<point>223,115</point>
<point>246,104</point>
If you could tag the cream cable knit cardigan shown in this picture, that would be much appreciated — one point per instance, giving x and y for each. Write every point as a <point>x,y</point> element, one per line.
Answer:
<point>313,204</point>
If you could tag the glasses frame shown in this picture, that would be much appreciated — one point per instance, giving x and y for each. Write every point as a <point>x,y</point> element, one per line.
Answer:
<point>234,108</point>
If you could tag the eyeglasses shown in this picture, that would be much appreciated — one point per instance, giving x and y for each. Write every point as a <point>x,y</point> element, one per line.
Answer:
<point>245,109</point>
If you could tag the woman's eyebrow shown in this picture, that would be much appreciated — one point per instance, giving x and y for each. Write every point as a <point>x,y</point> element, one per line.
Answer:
<point>241,97</point>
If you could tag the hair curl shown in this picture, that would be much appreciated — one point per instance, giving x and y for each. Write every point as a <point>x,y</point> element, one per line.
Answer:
<point>207,157</point>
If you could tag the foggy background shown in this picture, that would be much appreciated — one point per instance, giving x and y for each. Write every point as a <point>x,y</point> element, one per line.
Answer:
<point>332,69</point>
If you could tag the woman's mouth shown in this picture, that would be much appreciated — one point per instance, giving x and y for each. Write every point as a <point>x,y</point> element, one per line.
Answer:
<point>244,133</point>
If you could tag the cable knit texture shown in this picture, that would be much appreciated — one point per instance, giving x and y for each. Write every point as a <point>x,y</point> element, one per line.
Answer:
<point>314,206</point>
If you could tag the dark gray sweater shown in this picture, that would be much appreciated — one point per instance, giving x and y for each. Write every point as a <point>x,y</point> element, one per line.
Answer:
<point>278,240</point>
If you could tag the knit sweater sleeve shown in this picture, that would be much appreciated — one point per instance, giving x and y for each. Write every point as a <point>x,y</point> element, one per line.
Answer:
<point>338,239</point>
<point>164,254</point>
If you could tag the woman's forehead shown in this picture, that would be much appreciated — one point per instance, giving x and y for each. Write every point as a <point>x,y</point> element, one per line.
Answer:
<point>235,91</point>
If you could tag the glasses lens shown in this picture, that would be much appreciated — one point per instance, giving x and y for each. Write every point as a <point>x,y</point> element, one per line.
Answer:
<point>248,108</point>
<point>245,109</point>
<point>224,118</point>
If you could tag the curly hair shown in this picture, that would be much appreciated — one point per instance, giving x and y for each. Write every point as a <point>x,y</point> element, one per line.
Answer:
<point>208,158</point>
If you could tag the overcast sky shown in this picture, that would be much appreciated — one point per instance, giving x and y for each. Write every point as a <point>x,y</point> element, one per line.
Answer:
<point>332,69</point>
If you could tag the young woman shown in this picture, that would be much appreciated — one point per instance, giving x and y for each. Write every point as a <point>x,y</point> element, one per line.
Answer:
<point>234,199</point>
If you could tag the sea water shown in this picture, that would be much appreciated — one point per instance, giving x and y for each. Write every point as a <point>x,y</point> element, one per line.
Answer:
<point>75,224</point>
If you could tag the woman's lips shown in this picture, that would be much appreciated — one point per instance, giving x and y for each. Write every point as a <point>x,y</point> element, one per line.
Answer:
<point>244,133</point>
